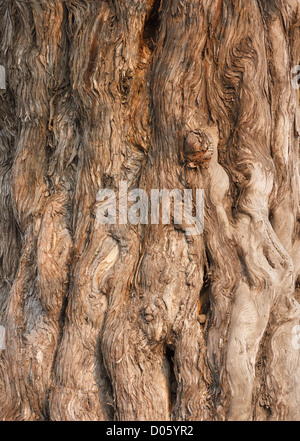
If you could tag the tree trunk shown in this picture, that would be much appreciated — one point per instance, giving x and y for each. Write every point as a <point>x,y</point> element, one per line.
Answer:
<point>137,321</point>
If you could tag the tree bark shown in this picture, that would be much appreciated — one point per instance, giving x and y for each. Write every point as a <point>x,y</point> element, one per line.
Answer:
<point>146,322</point>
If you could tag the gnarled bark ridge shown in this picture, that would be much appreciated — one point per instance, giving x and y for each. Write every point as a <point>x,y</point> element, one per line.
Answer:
<point>134,321</point>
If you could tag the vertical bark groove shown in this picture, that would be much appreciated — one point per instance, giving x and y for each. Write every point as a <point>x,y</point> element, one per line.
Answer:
<point>134,321</point>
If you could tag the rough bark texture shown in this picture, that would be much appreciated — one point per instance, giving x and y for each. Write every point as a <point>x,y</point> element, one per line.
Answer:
<point>144,322</point>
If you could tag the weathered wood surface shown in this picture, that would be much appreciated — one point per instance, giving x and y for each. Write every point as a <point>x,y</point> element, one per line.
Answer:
<point>143,322</point>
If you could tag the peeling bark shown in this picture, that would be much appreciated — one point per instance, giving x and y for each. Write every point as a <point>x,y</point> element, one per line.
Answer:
<point>144,321</point>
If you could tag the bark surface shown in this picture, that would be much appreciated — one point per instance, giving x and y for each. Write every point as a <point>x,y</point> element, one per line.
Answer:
<point>146,322</point>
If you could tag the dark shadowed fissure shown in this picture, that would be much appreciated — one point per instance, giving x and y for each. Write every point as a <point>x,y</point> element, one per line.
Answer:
<point>151,28</point>
<point>169,354</point>
<point>109,322</point>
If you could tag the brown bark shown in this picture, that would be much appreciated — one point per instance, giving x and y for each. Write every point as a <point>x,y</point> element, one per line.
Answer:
<point>145,322</point>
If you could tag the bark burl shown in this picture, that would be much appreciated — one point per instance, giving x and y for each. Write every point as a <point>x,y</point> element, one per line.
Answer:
<point>147,322</point>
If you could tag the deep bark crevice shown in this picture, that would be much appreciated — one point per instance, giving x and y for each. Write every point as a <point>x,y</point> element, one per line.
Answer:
<point>169,353</point>
<point>146,322</point>
<point>151,27</point>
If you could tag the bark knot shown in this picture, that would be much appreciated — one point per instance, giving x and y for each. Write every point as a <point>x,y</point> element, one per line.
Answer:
<point>198,148</point>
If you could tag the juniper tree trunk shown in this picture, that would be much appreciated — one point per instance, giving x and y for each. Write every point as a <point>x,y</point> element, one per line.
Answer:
<point>146,322</point>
